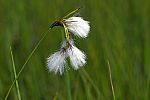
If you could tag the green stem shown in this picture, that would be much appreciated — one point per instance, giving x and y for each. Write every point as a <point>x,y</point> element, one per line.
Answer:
<point>22,68</point>
<point>110,77</point>
<point>66,33</point>
<point>14,69</point>
<point>68,85</point>
<point>71,13</point>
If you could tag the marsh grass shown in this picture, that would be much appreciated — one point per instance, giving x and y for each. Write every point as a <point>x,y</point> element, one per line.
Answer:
<point>15,75</point>
<point>111,83</point>
<point>22,68</point>
<point>85,75</point>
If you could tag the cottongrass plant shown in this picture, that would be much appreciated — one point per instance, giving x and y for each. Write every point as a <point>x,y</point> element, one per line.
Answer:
<point>78,27</point>
<point>56,61</point>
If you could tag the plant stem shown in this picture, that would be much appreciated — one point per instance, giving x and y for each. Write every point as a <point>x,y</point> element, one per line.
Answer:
<point>14,69</point>
<point>71,13</point>
<point>22,68</point>
<point>110,77</point>
<point>66,33</point>
<point>68,85</point>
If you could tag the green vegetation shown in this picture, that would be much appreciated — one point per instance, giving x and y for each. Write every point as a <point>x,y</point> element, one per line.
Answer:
<point>120,34</point>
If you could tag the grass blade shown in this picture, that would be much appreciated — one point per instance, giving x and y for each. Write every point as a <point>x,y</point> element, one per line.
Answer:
<point>110,77</point>
<point>14,69</point>
<point>71,13</point>
<point>22,68</point>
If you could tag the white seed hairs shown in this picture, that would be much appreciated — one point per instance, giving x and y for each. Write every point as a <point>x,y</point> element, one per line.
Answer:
<point>77,26</point>
<point>77,57</point>
<point>57,60</point>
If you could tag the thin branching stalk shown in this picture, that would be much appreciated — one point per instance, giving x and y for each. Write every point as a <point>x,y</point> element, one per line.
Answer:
<point>22,68</point>
<point>111,83</point>
<point>14,69</point>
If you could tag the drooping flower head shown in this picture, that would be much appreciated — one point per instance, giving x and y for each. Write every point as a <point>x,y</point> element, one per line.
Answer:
<point>78,27</point>
<point>77,57</point>
<point>56,62</point>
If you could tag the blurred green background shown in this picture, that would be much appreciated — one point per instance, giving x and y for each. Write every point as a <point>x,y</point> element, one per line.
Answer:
<point>120,33</point>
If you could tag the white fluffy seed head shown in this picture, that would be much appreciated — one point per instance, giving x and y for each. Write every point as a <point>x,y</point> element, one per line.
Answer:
<point>77,57</point>
<point>56,62</point>
<point>78,26</point>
